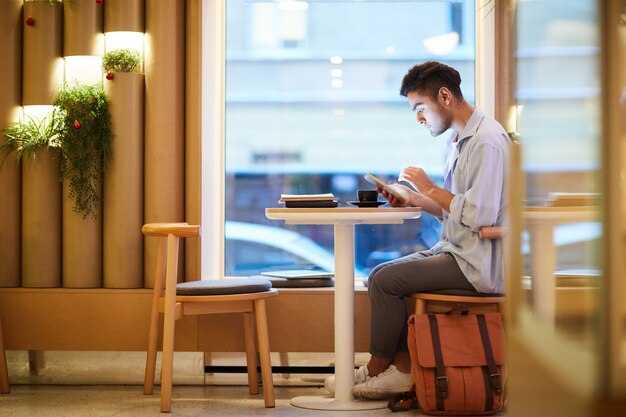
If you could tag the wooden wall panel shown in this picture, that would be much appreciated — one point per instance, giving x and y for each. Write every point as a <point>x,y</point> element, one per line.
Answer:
<point>193,138</point>
<point>82,28</point>
<point>124,16</point>
<point>123,184</point>
<point>42,52</point>
<point>41,220</point>
<point>82,245</point>
<point>10,175</point>
<point>118,320</point>
<point>165,129</point>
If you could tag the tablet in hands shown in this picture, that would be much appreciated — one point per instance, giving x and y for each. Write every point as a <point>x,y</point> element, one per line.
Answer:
<point>395,190</point>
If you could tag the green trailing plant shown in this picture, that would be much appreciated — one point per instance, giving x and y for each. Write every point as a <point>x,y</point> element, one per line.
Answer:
<point>85,138</point>
<point>26,136</point>
<point>121,60</point>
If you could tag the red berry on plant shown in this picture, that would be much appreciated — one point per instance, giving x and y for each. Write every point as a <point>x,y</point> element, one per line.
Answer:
<point>76,124</point>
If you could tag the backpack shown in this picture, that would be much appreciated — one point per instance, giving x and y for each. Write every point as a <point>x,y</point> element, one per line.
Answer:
<point>457,363</point>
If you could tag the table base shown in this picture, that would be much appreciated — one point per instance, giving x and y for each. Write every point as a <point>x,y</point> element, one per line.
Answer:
<point>314,402</point>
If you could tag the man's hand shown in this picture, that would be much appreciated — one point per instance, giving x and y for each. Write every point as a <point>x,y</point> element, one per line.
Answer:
<point>401,190</point>
<point>418,178</point>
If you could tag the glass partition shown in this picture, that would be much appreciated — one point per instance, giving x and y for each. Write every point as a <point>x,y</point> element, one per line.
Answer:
<point>558,106</point>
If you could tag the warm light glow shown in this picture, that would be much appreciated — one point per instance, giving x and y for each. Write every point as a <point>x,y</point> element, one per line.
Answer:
<point>336,59</point>
<point>83,69</point>
<point>442,44</point>
<point>123,40</point>
<point>37,112</point>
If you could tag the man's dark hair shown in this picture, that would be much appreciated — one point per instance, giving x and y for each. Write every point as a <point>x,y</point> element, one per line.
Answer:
<point>429,77</point>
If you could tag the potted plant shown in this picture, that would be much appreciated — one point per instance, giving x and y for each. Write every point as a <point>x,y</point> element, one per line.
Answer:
<point>120,60</point>
<point>85,138</point>
<point>30,134</point>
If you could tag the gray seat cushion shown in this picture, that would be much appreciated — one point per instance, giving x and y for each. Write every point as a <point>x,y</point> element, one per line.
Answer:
<point>223,286</point>
<point>298,283</point>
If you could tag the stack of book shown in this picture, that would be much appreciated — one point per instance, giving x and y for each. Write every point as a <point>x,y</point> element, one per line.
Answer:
<point>308,200</point>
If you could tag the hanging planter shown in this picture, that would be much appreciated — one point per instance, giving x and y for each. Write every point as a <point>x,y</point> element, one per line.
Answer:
<point>85,140</point>
<point>25,137</point>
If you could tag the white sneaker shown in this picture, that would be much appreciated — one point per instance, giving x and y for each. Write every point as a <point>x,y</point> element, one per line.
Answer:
<point>360,376</point>
<point>383,385</point>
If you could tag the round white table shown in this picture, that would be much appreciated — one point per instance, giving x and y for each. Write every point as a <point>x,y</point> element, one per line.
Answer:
<point>540,222</point>
<point>343,220</point>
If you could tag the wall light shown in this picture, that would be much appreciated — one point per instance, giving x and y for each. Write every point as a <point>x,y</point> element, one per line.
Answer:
<point>83,69</point>
<point>37,112</point>
<point>442,44</point>
<point>336,59</point>
<point>123,40</point>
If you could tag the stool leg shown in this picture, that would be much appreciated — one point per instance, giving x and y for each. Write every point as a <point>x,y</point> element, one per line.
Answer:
<point>264,352</point>
<point>253,378</point>
<point>420,306</point>
<point>4,374</point>
<point>148,381</point>
<point>169,323</point>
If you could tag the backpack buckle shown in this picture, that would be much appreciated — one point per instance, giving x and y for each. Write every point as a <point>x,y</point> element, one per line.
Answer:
<point>441,383</point>
<point>496,383</point>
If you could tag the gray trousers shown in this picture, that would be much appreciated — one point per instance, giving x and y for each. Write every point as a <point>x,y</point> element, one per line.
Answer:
<point>390,282</point>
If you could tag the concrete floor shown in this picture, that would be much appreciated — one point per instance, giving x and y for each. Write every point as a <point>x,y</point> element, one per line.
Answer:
<point>129,401</point>
<point>99,384</point>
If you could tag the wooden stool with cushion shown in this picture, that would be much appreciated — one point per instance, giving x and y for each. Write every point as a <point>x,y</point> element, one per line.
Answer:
<point>4,374</point>
<point>203,297</point>
<point>444,300</point>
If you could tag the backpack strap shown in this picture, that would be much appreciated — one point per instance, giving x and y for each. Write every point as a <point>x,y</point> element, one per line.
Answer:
<point>494,375</point>
<point>441,380</point>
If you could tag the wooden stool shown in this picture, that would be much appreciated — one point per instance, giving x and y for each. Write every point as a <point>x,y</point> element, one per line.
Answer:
<point>203,297</point>
<point>445,300</point>
<point>4,373</point>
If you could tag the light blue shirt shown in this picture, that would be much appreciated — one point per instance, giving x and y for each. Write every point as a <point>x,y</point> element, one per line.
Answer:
<point>475,172</point>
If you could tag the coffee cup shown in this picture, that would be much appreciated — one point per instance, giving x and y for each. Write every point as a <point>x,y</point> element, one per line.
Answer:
<point>367,196</point>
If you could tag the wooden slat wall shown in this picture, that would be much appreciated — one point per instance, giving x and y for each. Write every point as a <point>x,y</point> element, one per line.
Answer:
<point>193,131</point>
<point>172,136</point>
<point>165,122</point>
<point>10,174</point>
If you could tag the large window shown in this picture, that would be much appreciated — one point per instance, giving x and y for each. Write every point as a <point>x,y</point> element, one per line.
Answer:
<point>312,104</point>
